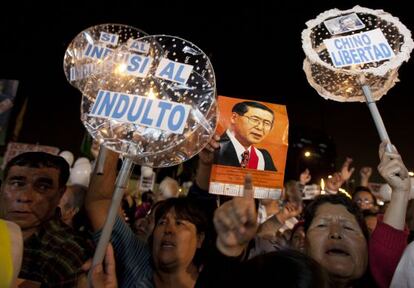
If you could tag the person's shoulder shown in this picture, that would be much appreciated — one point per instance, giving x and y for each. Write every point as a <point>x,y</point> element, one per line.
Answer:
<point>57,236</point>
<point>224,137</point>
<point>269,165</point>
<point>264,151</point>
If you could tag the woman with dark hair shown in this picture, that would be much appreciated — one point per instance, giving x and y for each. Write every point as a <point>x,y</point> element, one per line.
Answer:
<point>337,238</point>
<point>177,243</point>
<point>364,198</point>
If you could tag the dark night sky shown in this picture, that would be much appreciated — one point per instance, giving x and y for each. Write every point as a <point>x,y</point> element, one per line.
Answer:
<point>255,49</point>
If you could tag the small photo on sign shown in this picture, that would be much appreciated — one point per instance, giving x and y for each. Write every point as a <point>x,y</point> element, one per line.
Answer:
<point>343,24</point>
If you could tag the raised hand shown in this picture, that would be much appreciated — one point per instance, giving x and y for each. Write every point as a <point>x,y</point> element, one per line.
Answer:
<point>206,157</point>
<point>346,172</point>
<point>393,170</point>
<point>103,277</point>
<point>365,174</point>
<point>305,177</point>
<point>236,222</point>
<point>207,154</point>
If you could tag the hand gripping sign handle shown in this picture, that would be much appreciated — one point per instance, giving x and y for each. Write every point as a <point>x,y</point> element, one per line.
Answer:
<point>377,117</point>
<point>120,186</point>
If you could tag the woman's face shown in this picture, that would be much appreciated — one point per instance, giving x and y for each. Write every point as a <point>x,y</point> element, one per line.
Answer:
<point>298,239</point>
<point>175,242</point>
<point>364,200</point>
<point>336,241</point>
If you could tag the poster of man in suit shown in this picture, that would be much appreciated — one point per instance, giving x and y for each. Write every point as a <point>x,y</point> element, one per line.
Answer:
<point>253,140</point>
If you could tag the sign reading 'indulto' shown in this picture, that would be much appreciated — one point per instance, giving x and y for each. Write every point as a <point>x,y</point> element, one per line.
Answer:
<point>145,111</point>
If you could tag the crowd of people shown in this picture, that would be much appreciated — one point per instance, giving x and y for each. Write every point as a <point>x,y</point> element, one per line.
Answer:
<point>49,230</point>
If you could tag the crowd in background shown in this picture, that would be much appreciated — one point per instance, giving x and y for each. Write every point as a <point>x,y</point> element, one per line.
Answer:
<point>167,238</point>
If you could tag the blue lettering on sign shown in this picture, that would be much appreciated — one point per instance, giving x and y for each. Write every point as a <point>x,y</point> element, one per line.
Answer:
<point>361,55</point>
<point>365,38</point>
<point>168,71</point>
<point>96,51</point>
<point>138,65</point>
<point>121,106</point>
<point>109,38</point>
<point>354,55</point>
<point>145,119</point>
<point>173,71</point>
<point>135,63</point>
<point>178,74</point>
<point>139,46</point>
<point>334,60</point>
<point>160,114</point>
<point>180,110</point>
<point>134,117</point>
<point>365,47</point>
<point>105,37</point>
<point>108,102</point>
<point>368,49</point>
<point>164,106</point>
<point>347,58</point>
<point>378,53</point>
<point>385,50</point>
<point>338,44</point>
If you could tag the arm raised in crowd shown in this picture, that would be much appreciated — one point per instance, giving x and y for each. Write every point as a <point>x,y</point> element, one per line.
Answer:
<point>99,196</point>
<point>346,171</point>
<point>389,239</point>
<point>393,170</point>
<point>305,177</point>
<point>365,174</point>
<point>236,222</point>
<point>132,255</point>
<point>269,228</point>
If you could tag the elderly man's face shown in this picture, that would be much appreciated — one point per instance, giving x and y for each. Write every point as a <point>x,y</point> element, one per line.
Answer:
<point>335,240</point>
<point>30,195</point>
<point>253,126</point>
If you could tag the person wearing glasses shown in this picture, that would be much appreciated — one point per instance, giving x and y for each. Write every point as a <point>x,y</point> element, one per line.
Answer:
<point>364,198</point>
<point>250,124</point>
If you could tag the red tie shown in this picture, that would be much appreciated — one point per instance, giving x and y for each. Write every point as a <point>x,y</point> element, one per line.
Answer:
<point>253,160</point>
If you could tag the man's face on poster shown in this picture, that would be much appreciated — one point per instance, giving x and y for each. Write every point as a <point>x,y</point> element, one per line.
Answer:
<point>348,23</point>
<point>253,126</point>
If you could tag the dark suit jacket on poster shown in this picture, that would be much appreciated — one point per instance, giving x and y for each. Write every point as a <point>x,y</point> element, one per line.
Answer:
<point>227,155</point>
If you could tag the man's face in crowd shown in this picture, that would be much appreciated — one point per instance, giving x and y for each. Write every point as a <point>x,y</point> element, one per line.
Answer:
<point>30,195</point>
<point>253,126</point>
<point>66,208</point>
<point>335,240</point>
